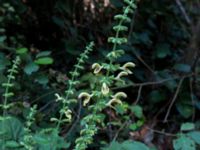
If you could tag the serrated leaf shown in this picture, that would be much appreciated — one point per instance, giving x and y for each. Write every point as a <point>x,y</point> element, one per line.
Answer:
<point>195,135</point>
<point>127,145</point>
<point>113,146</point>
<point>12,127</point>
<point>137,110</point>
<point>184,143</point>
<point>133,145</point>
<point>187,126</point>
<point>44,61</point>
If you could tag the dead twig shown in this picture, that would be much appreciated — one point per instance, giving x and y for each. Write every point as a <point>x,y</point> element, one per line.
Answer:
<point>173,99</point>
<point>182,9</point>
<point>139,94</point>
<point>162,132</point>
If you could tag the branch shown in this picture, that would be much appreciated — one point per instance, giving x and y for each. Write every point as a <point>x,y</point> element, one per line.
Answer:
<point>174,99</point>
<point>182,9</point>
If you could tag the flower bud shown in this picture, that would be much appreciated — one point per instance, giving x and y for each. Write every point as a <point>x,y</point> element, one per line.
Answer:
<point>105,89</point>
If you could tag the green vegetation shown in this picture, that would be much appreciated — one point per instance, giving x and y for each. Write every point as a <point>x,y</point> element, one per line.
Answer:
<point>135,85</point>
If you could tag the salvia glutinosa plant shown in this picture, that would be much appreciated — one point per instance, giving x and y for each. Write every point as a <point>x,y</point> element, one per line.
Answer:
<point>65,112</point>
<point>8,94</point>
<point>9,84</point>
<point>101,96</point>
<point>28,142</point>
<point>109,74</point>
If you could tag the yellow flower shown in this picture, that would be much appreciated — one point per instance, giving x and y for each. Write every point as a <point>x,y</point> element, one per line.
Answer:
<point>121,74</point>
<point>119,95</point>
<point>105,89</point>
<point>117,98</point>
<point>68,115</point>
<point>59,98</point>
<point>86,97</point>
<point>126,67</point>
<point>97,68</point>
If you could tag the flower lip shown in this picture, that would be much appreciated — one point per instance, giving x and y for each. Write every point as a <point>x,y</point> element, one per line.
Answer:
<point>97,68</point>
<point>121,74</point>
<point>126,67</point>
<point>119,95</point>
<point>86,97</point>
<point>117,98</point>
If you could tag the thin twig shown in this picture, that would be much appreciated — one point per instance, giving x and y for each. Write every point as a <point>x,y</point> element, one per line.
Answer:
<point>192,99</point>
<point>144,63</point>
<point>174,99</point>
<point>161,132</point>
<point>182,9</point>
<point>139,94</point>
<point>76,121</point>
<point>152,82</point>
<point>118,131</point>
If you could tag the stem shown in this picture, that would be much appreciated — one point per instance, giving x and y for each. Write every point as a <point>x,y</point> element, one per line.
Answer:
<point>6,98</point>
<point>69,89</point>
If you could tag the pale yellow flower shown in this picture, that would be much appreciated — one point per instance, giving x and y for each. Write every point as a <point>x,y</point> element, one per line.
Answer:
<point>117,99</point>
<point>126,67</point>
<point>121,74</point>
<point>105,89</point>
<point>97,68</point>
<point>86,97</point>
<point>119,95</point>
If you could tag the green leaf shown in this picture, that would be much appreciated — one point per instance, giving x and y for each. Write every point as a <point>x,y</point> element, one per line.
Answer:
<point>121,109</point>
<point>127,145</point>
<point>58,21</point>
<point>2,38</point>
<point>30,68</point>
<point>184,143</point>
<point>133,145</point>
<point>44,61</point>
<point>116,3</point>
<point>12,127</point>
<point>114,146</point>
<point>133,127</point>
<point>21,50</point>
<point>137,110</point>
<point>157,96</point>
<point>3,61</point>
<point>49,139</point>
<point>187,126</point>
<point>43,53</point>
<point>42,79</point>
<point>162,50</point>
<point>186,110</point>
<point>182,68</point>
<point>195,135</point>
<point>12,144</point>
